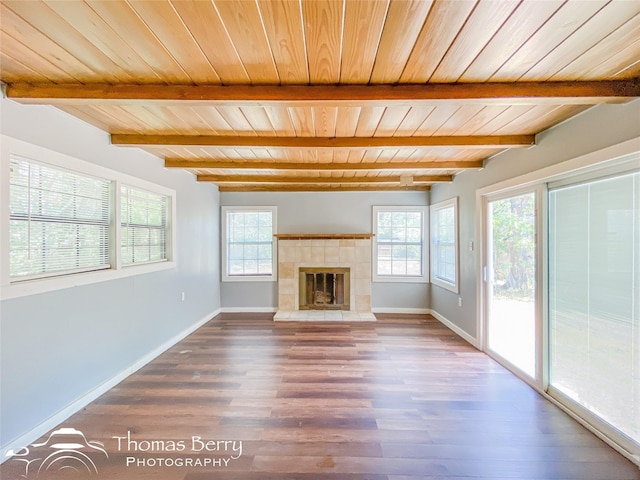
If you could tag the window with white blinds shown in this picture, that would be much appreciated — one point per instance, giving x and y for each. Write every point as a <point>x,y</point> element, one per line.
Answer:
<point>59,221</point>
<point>144,225</point>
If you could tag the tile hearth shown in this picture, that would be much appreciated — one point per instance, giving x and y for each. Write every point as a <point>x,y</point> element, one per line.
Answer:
<point>323,316</point>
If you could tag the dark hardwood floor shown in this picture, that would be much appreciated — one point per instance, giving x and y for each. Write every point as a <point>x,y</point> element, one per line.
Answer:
<point>404,398</point>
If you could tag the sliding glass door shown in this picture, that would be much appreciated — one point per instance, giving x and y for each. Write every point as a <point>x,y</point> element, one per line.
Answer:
<point>594,298</point>
<point>511,280</point>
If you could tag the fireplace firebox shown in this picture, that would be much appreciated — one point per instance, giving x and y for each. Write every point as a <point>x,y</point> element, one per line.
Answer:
<point>324,288</point>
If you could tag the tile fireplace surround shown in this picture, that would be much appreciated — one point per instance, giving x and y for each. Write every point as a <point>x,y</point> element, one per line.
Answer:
<point>351,251</point>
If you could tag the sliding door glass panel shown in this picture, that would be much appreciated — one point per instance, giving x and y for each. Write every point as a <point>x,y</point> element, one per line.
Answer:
<point>511,289</point>
<point>594,298</point>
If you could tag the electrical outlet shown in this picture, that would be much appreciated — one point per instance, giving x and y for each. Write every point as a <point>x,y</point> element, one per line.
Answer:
<point>459,301</point>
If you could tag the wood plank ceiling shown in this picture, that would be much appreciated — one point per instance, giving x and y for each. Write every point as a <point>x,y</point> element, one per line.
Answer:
<point>294,95</point>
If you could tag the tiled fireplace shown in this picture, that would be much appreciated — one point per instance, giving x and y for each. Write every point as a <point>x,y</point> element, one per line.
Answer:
<point>324,277</point>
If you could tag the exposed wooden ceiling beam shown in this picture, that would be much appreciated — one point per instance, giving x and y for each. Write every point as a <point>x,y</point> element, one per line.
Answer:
<point>276,165</point>
<point>583,92</point>
<point>322,180</point>
<point>321,188</point>
<point>230,141</point>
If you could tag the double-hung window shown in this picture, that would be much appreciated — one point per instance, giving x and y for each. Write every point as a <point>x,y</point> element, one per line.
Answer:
<point>58,221</point>
<point>144,225</point>
<point>400,247</point>
<point>444,244</point>
<point>249,248</point>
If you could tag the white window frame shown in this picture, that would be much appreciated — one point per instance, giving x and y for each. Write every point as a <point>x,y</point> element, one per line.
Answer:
<point>424,278</point>
<point>435,279</point>
<point>224,244</point>
<point>19,288</point>
<point>167,230</point>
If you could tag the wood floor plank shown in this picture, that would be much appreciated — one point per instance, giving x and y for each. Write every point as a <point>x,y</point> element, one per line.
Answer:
<point>403,398</point>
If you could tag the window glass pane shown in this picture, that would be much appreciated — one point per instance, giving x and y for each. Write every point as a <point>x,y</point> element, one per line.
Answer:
<point>143,225</point>
<point>236,251</point>
<point>414,219</point>
<point>594,287</point>
<point>251,219</point>
<point>127,254</point>
<point>398,267</point>
<point>399,234</point>
<point>59,220</point>
<point>399,252</point>
<point>384,267</point>
<point>236,267</point>
<point>251,233</point>
<point>265,252</point>
<point>250,251</point>
<point>237,234</point>
<point>265,234</point>
<point>250,267</point>
<point>414,235</point>
<point>414,267</point>
<point>414,252</point>
<point>384,234</point>
<point>384,219</point>
<point>399,219</point>
<point>265,267</point>
<point>156,252</point>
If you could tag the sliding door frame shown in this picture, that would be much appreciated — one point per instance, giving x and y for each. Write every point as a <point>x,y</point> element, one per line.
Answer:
<point>618,156</point>
<point>541,368</point>
<point>577,408</point>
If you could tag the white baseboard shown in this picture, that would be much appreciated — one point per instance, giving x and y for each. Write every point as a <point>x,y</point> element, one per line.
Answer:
<point>78,404</point>
<point>452,326</point>
<point>249,309</point>
<point>402,310</point>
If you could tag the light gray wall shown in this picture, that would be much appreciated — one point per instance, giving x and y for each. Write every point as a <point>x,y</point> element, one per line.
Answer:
<point>323,212</point>
<point>592,130</point>
<point>57,346</point>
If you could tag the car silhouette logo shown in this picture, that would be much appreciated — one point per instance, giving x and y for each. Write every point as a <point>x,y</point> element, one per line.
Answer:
<point>65,450</point>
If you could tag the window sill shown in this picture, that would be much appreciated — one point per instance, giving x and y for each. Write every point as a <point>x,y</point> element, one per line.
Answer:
<point>249,278</point>
<point>447,286</point>
<point>392,279</point>
<point>43,285</point>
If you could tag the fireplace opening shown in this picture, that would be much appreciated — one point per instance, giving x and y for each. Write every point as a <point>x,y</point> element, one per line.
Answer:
<point>324,289</point>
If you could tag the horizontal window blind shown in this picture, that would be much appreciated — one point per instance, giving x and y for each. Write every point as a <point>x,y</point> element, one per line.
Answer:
<point>144,226</point>
<point>594,297</point>
<point>59,221</point>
